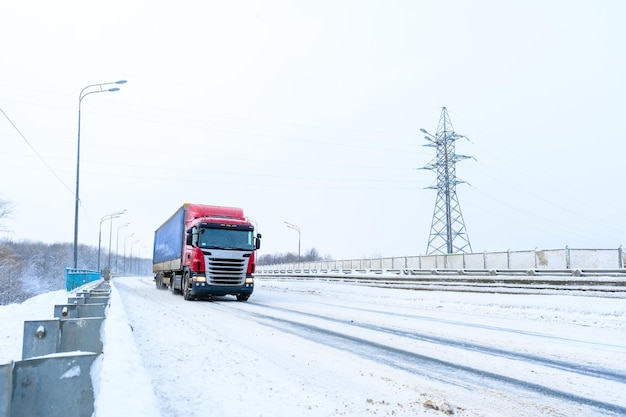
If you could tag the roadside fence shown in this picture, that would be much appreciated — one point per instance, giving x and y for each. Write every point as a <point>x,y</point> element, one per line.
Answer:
<point>523,260</point>
<point>75,278</point>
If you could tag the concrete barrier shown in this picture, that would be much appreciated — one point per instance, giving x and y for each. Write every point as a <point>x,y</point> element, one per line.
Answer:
<point>545,259</point>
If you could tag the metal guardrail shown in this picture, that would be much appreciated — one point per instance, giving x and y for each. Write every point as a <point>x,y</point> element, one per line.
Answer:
<point>590,282</point>
<point>75,278</point>
<point>53,378</point>
<point>261,271</point>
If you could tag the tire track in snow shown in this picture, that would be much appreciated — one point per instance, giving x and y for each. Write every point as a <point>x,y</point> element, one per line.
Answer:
<point>586,370</point>
<point>429,366</point>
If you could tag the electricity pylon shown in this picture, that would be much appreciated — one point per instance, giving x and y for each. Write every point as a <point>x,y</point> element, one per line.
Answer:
<point>447,231</point>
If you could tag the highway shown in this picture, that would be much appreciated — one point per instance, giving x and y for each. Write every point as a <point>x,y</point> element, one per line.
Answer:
<point>333,348</point>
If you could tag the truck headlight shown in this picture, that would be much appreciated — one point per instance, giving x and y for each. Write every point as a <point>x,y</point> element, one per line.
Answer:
<point>249,280</point>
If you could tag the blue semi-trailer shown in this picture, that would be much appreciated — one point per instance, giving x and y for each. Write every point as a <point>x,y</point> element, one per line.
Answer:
<point>203,251</point>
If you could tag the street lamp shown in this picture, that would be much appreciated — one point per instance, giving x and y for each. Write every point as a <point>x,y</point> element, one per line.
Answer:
<point>131,255</point>
<point>81,96</point>
<point>138,262</point>
<point>131,235</point>
<point>102,220</point>
<point>117,243</point>
<point>111,237</point>
<point>294,227</point>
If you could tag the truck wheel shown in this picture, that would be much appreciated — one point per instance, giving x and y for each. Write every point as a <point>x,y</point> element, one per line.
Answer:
<point>185,287</point>
<point>243,297</point>
<point>172,286</point>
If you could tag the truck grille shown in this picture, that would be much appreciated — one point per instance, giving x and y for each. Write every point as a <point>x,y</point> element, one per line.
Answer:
<point>224,271</point>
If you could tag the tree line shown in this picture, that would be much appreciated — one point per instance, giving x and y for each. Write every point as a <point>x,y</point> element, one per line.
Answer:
<point>311,255</point>
<point>31,268</point>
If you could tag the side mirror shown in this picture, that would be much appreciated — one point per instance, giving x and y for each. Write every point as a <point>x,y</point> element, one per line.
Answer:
<point>258,241</point>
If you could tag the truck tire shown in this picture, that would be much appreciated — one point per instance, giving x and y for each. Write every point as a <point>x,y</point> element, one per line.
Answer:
<point>243,297</point>
<point>185,287</point>
<point>172,284</point>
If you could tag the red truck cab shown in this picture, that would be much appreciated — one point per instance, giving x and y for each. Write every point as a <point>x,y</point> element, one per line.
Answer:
<point>217,255</point>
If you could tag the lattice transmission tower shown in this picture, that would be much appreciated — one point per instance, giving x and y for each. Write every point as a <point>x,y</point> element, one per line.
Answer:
<point>447,231</point>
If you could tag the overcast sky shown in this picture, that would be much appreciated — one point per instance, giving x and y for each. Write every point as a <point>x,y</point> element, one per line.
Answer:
<point>310,112</point>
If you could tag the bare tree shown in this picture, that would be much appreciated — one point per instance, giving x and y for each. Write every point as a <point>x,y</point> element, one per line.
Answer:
<point>10,285</point>
<point>6,209</point>
<point>311,255</point>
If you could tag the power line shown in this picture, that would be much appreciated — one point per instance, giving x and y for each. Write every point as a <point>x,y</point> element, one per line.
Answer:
<point>35,151</point>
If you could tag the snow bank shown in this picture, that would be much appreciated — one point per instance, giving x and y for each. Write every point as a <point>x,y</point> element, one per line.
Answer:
<point>122,386</point>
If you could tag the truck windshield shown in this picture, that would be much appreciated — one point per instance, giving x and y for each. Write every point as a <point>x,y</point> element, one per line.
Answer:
<point>226,239</point>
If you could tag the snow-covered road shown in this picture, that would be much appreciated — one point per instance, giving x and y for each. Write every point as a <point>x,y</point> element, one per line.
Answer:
<point>320,349</point>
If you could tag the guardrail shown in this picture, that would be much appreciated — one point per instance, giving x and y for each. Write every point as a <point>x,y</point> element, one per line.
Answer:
<point>75,278</point>
<point>265,271</point>
<point>53,378</point>
<point>606,283</point>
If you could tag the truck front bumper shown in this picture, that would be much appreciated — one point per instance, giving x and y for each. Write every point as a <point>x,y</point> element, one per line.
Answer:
<point>204,290</point>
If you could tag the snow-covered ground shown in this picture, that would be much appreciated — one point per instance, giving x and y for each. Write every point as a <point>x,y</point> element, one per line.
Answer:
<point>314,348</point>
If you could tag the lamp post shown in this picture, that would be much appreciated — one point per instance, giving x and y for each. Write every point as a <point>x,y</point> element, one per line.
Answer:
<point>110,238</point>
<point>294,227</point>
<point>84,93</point>
<point>131,235</point>
<point>102,220</point>
<point>117,243</point>
<point>138,262</point>
<point>131,255</point>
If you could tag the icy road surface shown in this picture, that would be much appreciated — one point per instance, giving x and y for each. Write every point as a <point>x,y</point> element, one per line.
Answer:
<point>314,348</point>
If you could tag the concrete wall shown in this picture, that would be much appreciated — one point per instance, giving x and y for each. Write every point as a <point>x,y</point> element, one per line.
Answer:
<point>548,259</point>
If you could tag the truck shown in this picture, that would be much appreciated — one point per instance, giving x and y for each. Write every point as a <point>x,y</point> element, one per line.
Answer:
<point>204,251</point>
